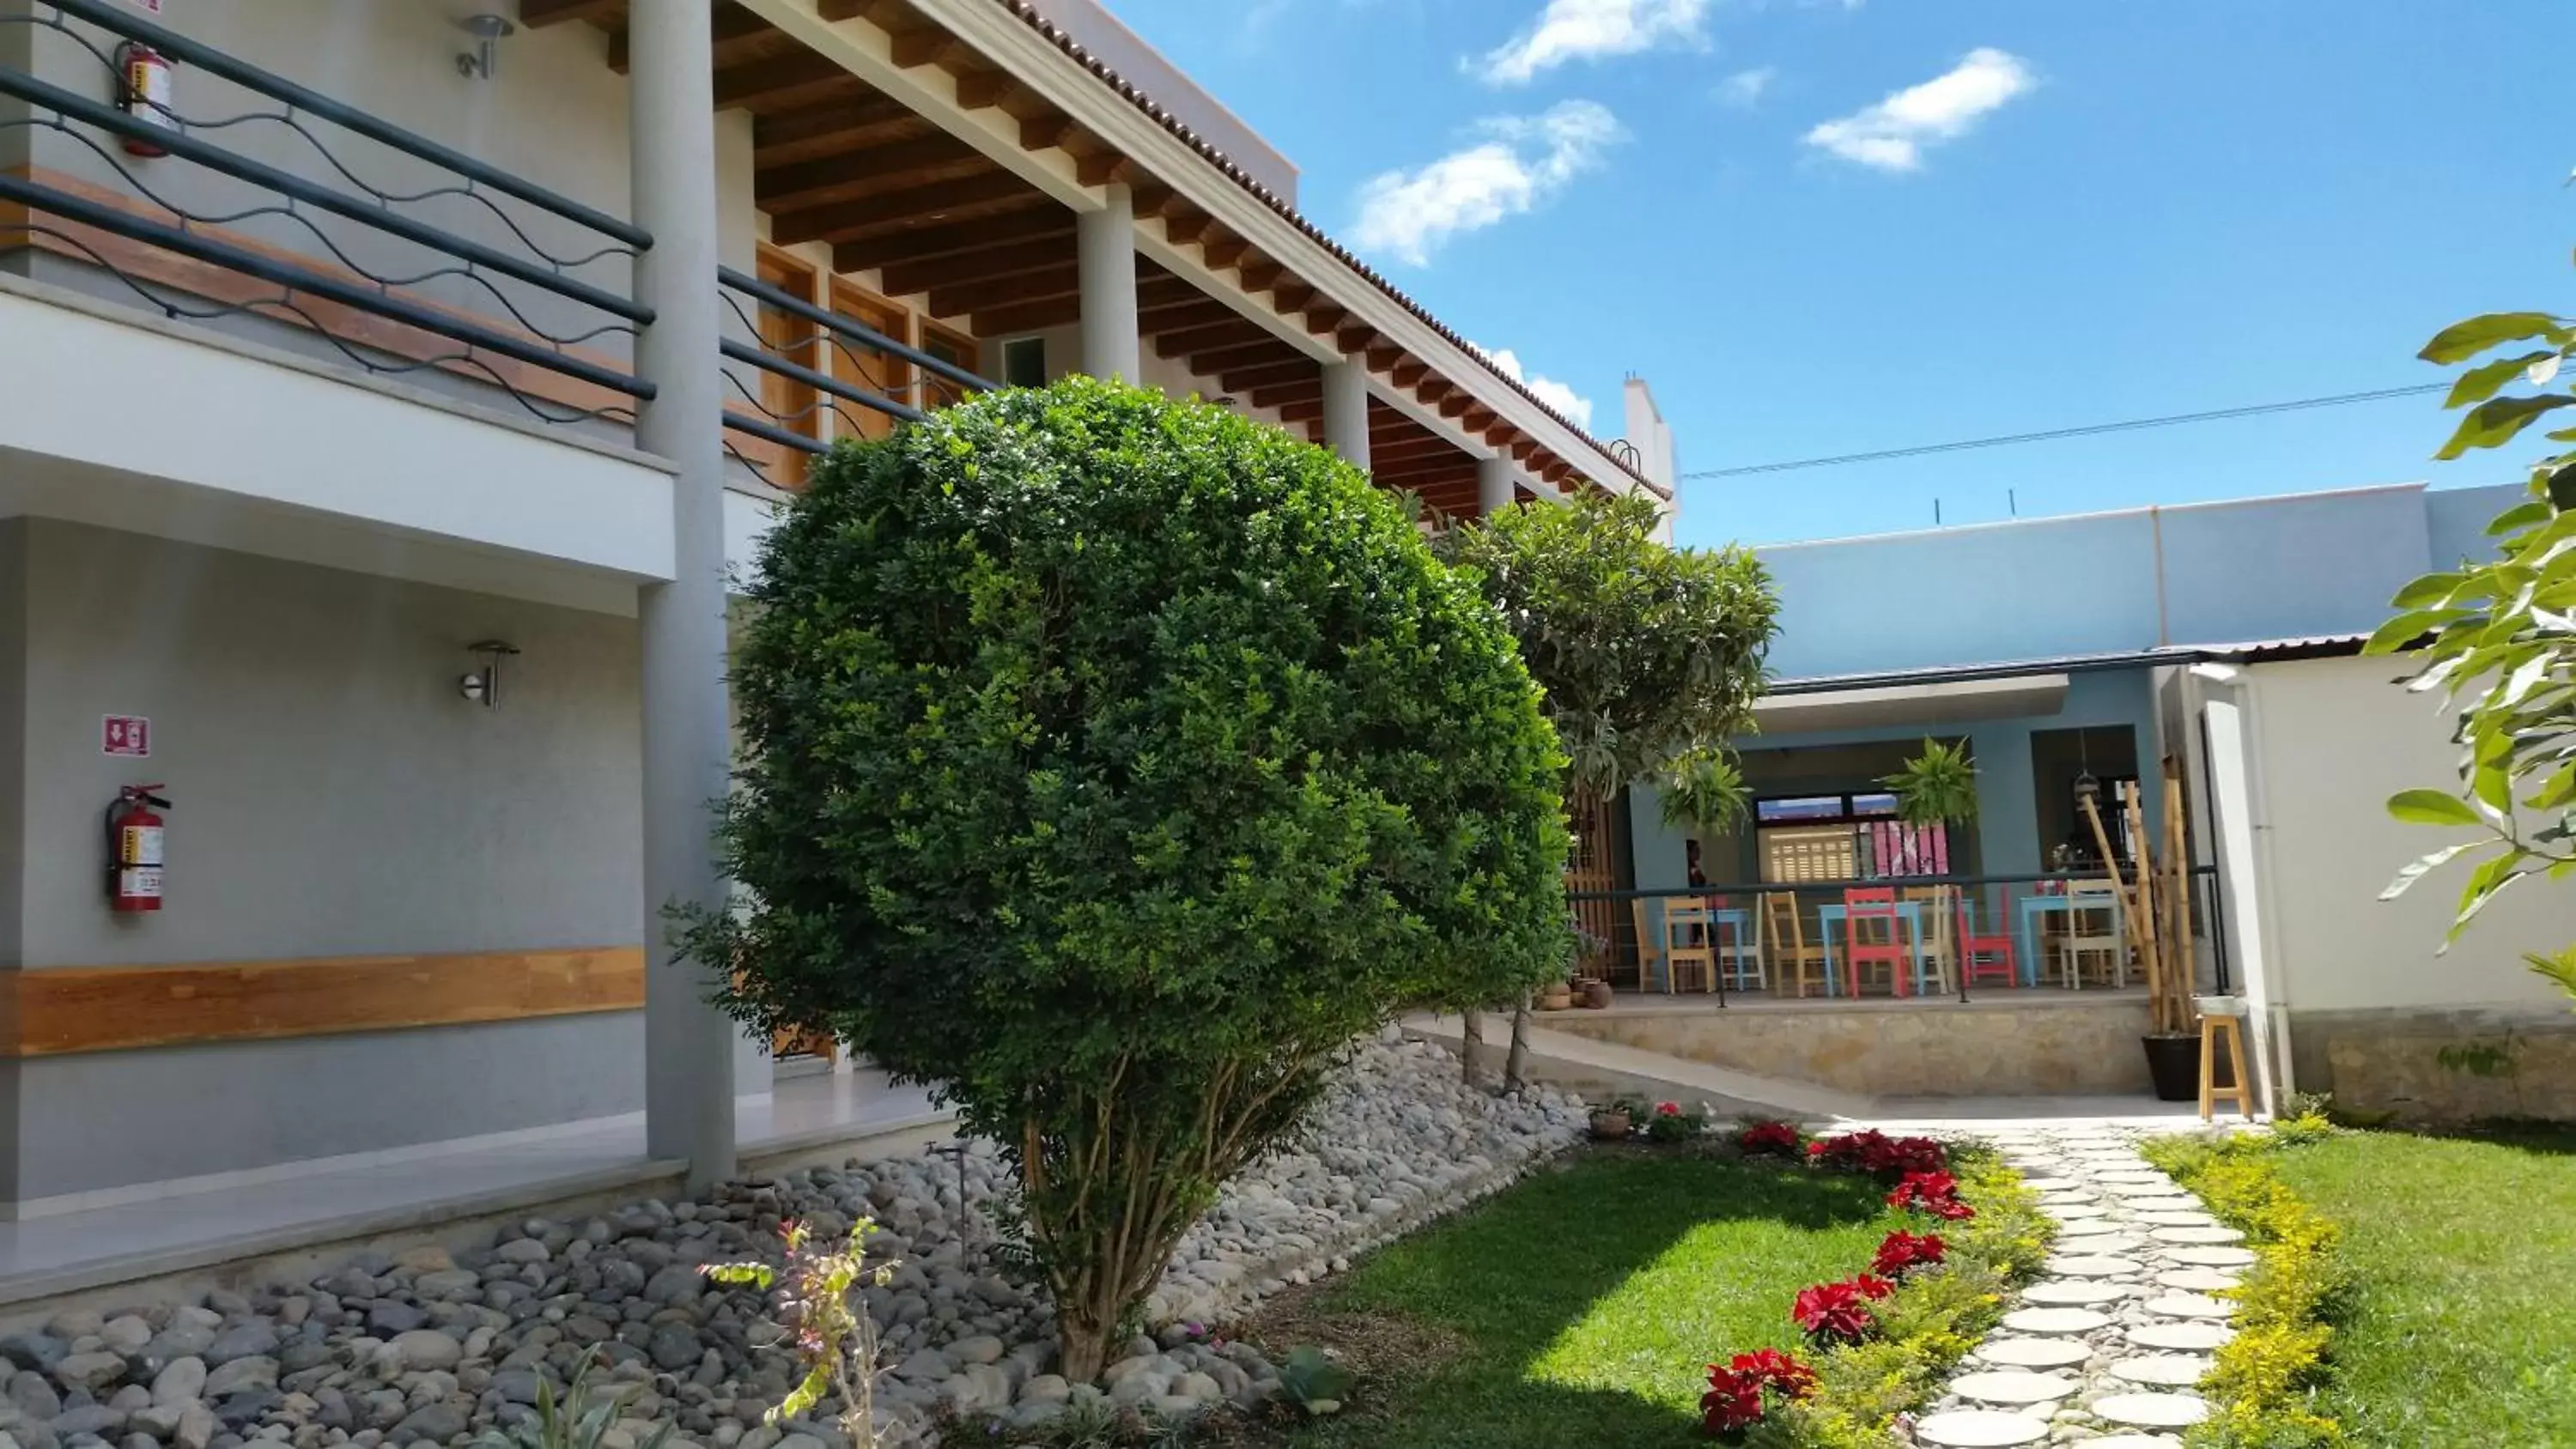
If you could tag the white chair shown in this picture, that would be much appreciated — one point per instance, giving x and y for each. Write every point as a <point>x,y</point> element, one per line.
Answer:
<point>2093,935</point>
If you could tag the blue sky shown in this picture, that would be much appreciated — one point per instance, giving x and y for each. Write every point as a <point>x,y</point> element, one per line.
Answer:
<point>1820,227</point>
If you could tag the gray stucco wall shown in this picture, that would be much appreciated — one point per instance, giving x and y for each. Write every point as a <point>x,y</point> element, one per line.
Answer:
<point>333,795</point>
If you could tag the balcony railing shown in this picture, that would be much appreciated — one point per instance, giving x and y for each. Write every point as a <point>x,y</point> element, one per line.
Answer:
<point>445,266</point>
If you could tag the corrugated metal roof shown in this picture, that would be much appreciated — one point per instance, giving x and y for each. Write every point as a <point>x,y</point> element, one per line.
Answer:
<point>2252,651</point>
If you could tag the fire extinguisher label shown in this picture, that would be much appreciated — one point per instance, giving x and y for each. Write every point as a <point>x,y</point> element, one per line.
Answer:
<point>148,81</point>
<point>141,845</point>
<point>139,883</point>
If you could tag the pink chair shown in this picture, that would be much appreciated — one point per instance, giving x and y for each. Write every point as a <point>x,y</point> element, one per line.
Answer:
<point>1875,906</point>
<point>1980,956</point>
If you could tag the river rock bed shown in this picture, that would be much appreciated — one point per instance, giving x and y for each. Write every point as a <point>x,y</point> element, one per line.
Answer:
<point>432,1346</point>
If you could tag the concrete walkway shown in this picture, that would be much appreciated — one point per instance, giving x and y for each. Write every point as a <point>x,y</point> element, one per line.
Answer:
<point>1602,1069</point>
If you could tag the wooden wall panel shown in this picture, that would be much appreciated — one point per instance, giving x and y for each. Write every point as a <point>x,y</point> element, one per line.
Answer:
<point>117,1008</point>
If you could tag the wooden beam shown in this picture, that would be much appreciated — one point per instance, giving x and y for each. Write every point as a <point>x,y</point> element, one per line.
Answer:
<point>1028,317</point>
<point>982,264</point>
<point>1296,370</point>
<point>872,172</point>
<point>1457,403</point>
<point>940,201</point>
<point>959,301</point>
<point>1242,354</point>
<point>1153,321</point>
<point>1103,168</point>
<point>538,14</point>
<point>1477,418</point>
<point>783,82</point>
<point>1224,252</point>
<point>1260,276</point>
<point>783,138</point>
<point>1291,297</point>
<point>1286,392</point>
<point>920,244</point>
<point>65,1010</point>
<point>1407,373</point>
<point>1302,412</point>
<point>920,45</point>
<point>1201,339</point>
<point>1384,357</point>
<point>1187,227</point>
<point>981,89</point>
<point>1040,133</point>
<point>1157,289</point>
<point>1354,337</point>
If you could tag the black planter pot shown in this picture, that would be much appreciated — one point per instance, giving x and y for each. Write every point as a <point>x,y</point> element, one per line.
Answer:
<point>2173,1063</point>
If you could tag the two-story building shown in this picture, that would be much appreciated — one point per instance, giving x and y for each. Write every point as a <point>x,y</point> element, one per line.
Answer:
<point>388,392</point>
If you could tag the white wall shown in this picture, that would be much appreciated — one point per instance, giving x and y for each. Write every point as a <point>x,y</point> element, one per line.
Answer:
<point>2334,739</point>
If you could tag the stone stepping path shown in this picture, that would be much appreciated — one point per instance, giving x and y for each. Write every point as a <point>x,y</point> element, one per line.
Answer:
<point>2109,1348</point>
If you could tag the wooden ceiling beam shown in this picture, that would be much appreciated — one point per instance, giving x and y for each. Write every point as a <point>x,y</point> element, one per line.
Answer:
<point>1457,403</point>
<point>915,46</point>
<point>898,167</point>
<point>1199,312</point>
<point>1223,252</point>
<point>1283,393</point>
<point>1296,371</point>
<point>1157,290</point>
<point>995,190</point>
<point>1202,339</point>
<point>1246,354</point>
<point>1291,297</point>
<point>979,90</point>
<point>784,138</point>
<point>1041,133</point>
<point>1302,412</point>
<point>538,14</point>
<point>1028,317</point>
<point>1408,373</point>
<point>1104,167</point>
<point>980,265</point>
<point>921,244</point>
<point>1003,292</point>
<point>782,82</point>
<point>1183,228</point>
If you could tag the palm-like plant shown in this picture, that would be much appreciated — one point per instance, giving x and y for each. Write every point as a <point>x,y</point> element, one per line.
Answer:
<point>1936,786</point>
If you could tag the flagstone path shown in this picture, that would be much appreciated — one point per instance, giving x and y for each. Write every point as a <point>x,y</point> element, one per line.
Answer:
<point>2107,1347</point>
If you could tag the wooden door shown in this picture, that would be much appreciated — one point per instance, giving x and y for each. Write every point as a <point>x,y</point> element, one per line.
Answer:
<point>1592,865</point>
<point>784,335</point>
<point>865,368</point>
<point>952,347</point>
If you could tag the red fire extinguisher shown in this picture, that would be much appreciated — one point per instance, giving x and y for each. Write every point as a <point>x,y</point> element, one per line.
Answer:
<point>143,90</point>
<point>134,849</point>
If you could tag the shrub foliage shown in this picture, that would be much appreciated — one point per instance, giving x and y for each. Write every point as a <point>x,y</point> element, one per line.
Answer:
<point>1110,762</point>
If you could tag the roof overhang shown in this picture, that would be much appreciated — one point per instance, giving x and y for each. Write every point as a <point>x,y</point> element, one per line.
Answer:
<point>1873,707</point>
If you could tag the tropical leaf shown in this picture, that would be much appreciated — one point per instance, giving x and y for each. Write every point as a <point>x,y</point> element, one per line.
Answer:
<point>2463,340</point>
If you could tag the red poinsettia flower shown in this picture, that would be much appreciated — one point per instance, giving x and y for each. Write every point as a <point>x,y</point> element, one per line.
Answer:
<point>1778,1370</point>
<point>1902,1250</point>
<point>1732,1404</point>
<point>1767,1139</point>
<point>1936,1193</point>
<point>1839,1312</point>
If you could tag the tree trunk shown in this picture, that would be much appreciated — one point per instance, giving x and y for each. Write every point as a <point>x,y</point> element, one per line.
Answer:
<point>1082,1346</point>
<point>1471,1046</point>
<point>1517,1059</point>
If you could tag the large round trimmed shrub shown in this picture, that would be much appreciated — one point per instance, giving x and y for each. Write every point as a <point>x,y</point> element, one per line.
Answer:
<point>1111,762</point>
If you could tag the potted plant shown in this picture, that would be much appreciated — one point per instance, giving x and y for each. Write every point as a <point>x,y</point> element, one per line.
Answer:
<point>1613,1120</point>
<point>1555,996</point>
<point>1936,787</point>
<point>1596,993</point>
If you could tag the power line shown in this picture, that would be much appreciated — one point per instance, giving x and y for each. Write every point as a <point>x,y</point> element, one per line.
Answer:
<point>2133,424</point>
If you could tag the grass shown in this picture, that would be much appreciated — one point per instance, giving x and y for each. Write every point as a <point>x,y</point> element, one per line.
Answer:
<point>2461,1328</point>
<point>1581,1308</point>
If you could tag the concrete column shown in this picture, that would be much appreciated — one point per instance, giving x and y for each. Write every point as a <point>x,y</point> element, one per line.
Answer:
<point>1106,241</point>
<point>2008,840</point>
<point>1494,491</point>
<point>688,1045</point>
<point>1346,412</point>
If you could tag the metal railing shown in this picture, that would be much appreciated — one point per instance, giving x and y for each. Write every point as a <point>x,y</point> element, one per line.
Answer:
<point>1994,914</point>
<point>856,349</point>
<point>510,269</point>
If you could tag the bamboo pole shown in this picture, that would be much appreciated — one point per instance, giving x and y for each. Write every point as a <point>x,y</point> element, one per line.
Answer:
<point>2111,866</point>
<point>2177,851</point>
<point>2150,941</point>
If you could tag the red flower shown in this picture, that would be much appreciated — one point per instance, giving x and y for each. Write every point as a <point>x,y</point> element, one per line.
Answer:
<point>1936,1193</point>
<point>1839,1312</point>
<point>1875,1151</point>
<point>1668,1109</point>
<point>1903,1250</point>
<point>1767,1139</point>
<point>1733,1402</point>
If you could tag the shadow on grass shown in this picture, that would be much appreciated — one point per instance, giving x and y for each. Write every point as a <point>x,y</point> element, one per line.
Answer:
<point>1582,1306</point>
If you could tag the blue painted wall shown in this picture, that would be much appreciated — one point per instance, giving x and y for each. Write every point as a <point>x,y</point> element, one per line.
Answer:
<point>2260,568</point>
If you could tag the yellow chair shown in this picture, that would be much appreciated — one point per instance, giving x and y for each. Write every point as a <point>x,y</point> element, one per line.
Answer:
<point>1784,942</point>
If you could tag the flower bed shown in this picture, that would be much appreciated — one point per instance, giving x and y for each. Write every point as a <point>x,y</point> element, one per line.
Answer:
<point>2263,1388</point>
<point>1881,1341</point>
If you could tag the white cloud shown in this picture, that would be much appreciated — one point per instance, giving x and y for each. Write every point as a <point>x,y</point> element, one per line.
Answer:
<point>1892,135</point>
<point>1522,161</point>
<point>1745,88</point>
<point>1588,30</point>
<point>1547,389</point>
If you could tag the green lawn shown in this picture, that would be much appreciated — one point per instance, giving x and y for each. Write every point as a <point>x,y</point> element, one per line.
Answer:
<point>2462,1329</point>
<point>1582,1307</point>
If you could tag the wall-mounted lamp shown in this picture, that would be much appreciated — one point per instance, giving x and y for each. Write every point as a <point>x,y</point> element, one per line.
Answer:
<point>483,685</point>
<point>476,64</point>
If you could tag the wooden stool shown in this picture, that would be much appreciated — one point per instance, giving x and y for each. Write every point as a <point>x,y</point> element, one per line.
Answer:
<point>2242,1093</point>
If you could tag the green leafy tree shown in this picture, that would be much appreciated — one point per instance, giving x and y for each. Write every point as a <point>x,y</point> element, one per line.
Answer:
<point>1111,763</point>
<point>1650,655</point>
<point>2496,638</point>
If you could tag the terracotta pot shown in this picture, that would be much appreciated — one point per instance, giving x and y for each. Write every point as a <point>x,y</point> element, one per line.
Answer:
<point>1555,998</point>
<point>1610,1126</point>
<point>1596,994</point>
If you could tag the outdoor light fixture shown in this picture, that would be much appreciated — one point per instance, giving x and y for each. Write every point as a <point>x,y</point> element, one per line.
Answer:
<point>476,64</point>
<point>483,685</point>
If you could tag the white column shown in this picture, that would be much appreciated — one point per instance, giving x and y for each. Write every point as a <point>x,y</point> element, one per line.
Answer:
<point>1346,411</point>
<point>1106,241</point>
<point>688,1045</point>
<point>1494,491</point>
